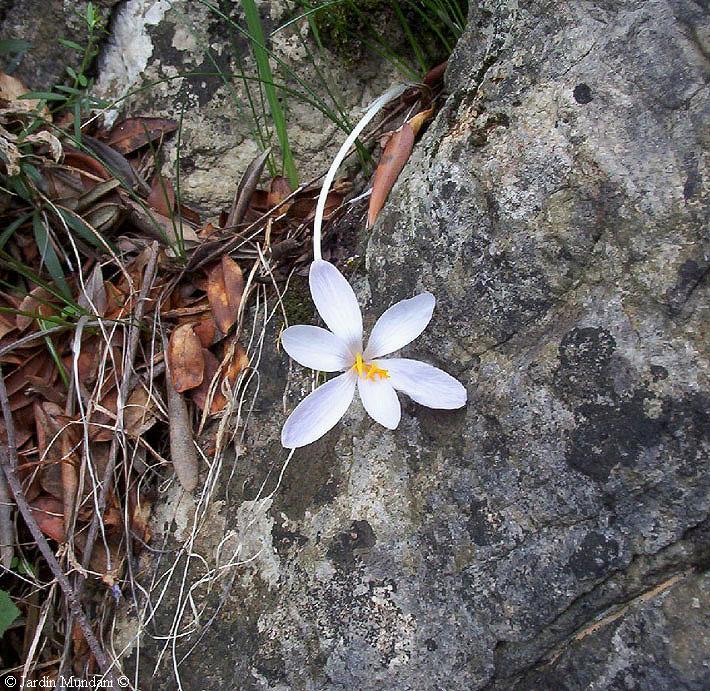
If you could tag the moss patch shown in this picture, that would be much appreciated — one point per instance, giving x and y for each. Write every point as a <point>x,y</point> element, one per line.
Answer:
<point>297,302</point>
<point>350,29</point>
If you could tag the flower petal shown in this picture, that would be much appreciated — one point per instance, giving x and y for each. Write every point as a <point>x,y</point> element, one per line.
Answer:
<point>319,412</point>
<point>336,303</point>
<point>424,383</point>
<point>399,325</point>
<point>316,348</point>
<point>380,401</point>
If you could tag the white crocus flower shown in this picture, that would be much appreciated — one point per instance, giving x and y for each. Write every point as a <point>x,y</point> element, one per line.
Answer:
<point>340,350</point>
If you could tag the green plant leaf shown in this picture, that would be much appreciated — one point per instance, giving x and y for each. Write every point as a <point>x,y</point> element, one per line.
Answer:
<point>10,230</point>
<point>44,325</point>
<point>82,228</point>
<point>8,611</point>
<point>261,56</point>
<point>22,567</point>
<point>70,44</point>
<point>68,89</point>
<point>42,96</point>
<point>49,255</point>
<point>14,45</point>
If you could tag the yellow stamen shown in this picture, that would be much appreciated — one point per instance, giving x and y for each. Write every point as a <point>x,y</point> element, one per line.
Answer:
<point>375,371</point>
<point>369,370</point>
<point>359,365</point>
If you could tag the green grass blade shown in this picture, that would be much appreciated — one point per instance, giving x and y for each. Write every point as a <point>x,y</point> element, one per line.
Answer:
<point>29,275</point>
<point>54,354</point>
<point>414,44</point>
<point>10,230</point>
<point>82,228</point>
<point>48,254</point>
<point>429,18</point>
<point>278,117</point>
<point>41,96</point>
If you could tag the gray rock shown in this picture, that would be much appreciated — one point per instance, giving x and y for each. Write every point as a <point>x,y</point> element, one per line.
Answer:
<point>554,533</point>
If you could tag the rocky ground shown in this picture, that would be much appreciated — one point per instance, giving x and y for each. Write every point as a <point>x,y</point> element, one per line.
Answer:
<point>554,533</point>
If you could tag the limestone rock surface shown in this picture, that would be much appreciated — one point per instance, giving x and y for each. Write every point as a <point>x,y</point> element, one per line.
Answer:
<point>186,60</point>
<point>554,533</point>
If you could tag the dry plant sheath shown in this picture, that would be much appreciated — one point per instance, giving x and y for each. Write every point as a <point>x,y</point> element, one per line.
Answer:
<point>182,444</point>
<point>7,532</point>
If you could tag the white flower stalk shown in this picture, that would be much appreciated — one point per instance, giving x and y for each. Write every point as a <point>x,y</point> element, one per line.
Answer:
<point>376,378</point>
<point>370,113</point>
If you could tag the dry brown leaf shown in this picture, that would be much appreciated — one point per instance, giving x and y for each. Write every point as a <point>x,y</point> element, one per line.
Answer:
<point>200,395</point>
<point>131,134</point>
<point>49,458</point>
<point>48,512</point>
<point>11,89</point>
<point>98,192</point>
<point>245,190</point>
<point>279,189</point>
<point>206,231</point>
<point>103,418</point>
<point>19,400</point>
<point>185,358</point>
<point>70,479</point>
<point>44,388</point>
<point>6,325</point>
<point>62,444</point>
<point>93,296</point>
<point>159,226</point>
<point>37,302</point>
<point>138,415</point>
<point>395,155</point>
<point>87,164</point>
<point>304,207</point>
<point>206,331</point>
<point>162,196</point>
<point>140,516</point>
<point>104,217</point>
<point>99,562</point>
<point>24,429</point>
<point>44,137</point>
<point>10,154</point>
<point>435,74</point>
<point>238,363</point>
<point>225,288</point>
<point>418,121</point>
<point>36,364</point>
<point>120,166</point>
<point>115,301</point>
<point>187,313</point>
